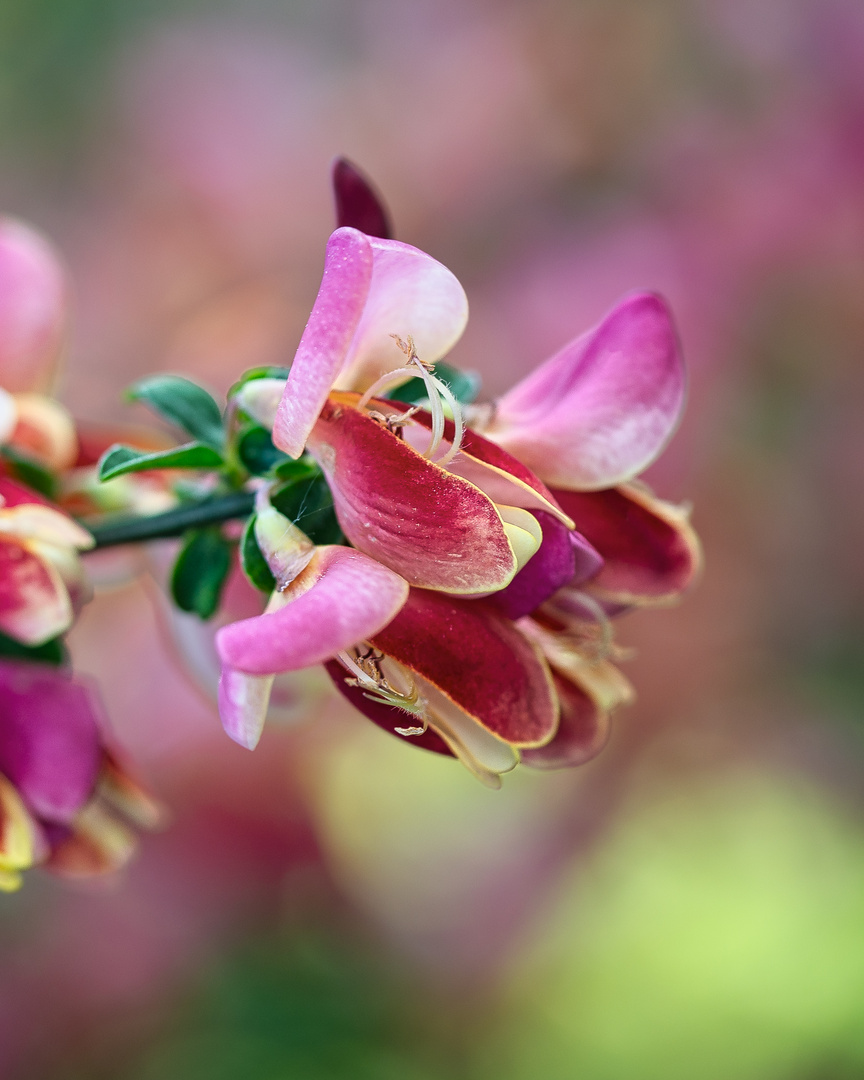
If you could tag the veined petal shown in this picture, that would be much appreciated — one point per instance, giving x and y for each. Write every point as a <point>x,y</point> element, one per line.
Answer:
<point>563,556</point>
<point>32,307</point>
<point>243,704</point>
<point>342,597</point>
<point>435,529</point>
<point>49,739</point>
<point>410,295</point>
<point>601,410</point>
<point>34,603</point>
<point>583,730</point>
<point>327,339</point>
<point>478,660</point>
<point>650,551</point>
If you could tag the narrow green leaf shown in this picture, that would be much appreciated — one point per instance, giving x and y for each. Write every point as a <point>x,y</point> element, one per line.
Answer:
<point>464,385</point>
<point>184,404</point>
<point>200,572</point>
<point>119,459</point>
<point>253,562</point>
<point>30,472</point>
<point>309,504</point>
<point>304,469</point>
<point>256,450</point>
<point>50,652</point>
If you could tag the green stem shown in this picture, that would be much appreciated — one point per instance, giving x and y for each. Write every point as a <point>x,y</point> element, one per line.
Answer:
<point>174,522</point>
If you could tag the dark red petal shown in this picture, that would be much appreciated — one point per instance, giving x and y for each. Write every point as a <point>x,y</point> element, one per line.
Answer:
<point>385,716</point>
<point>435,529</point>
<point>650,551</point>
<point>358,204</point>
<point>583,731</point>
<point>479,660</point>
<point>562,557</point>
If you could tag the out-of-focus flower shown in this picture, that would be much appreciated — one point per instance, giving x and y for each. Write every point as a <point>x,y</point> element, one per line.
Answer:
<point>42,581</point>
<point>66,801</point>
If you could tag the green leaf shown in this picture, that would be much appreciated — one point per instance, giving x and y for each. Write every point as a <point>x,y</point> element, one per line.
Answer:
<point>309,504</point>
<point>253,562</point>
<point>258,373</point>
<point>30,472</point>
<point>464,385</point>
<point>304,469</point>
<point>256,450</point>
<point>119,459</point>
<point>184,404</point>
<point>50,652</point>
<point>200,572</point>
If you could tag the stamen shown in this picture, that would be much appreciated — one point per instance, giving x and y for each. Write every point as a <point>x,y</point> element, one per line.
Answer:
<point>365,666</point>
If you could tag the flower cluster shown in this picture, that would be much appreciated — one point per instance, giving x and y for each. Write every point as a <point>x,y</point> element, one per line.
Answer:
<point>489,545</point>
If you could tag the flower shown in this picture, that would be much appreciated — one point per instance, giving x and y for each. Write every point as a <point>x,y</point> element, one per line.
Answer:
<point>472,616</point>
<point>66,800</point>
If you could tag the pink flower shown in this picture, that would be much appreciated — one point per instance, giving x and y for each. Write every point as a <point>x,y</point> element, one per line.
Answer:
<point>66,802</point>
<point>472,616</point>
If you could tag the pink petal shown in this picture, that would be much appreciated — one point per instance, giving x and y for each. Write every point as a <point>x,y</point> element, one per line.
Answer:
<point>34,603</point>
<point>358,204</point>
<point>583,731</point>
<point>650,551</point>
<point>50,745</point>
<point>563,557</point>
<point>15,494</point>
<point>32,307</point>
<point>601,410</point>
<point>341,598</point>
<point>410,295</point>
<point>243,703</point>
<point>435,529</point>
<point>477,659</point>
<point>327,338</point>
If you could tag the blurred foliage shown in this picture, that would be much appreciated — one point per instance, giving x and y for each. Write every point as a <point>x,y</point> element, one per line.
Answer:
<point>719,934</point>
<point>313,1006</point>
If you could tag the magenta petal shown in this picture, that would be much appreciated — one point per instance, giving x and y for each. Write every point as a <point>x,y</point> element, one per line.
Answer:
<point>385,716</point>
<point>358,204</point>
<point>340,599</point>
<point>326,339</point>
<point>601,410</point>
<point>50,746</point>
<point>562,557</point>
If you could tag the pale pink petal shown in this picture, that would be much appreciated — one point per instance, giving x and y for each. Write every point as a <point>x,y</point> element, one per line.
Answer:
<point>243,703</point>
<point>327,338</point>
<point>34,603</point>
<point>410,295</point>
<point>341,598</point>
<point>32,307</point>
<point>601,410</point>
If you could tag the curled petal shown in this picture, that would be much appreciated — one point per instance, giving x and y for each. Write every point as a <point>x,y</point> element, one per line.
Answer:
<point>288,551</point>
<point>243,703</point>
<point>563,557</point>
<point>435,529</point>
<point>583,731</point>
<point>342,597</point>
<point>650,551</point>
<point>601,410</point>
<point>327,338</point>
<point>478,660</point>
<point>34,603</point>
<point>358,204</point>
<point>49,740</point>
<point>32,307</point>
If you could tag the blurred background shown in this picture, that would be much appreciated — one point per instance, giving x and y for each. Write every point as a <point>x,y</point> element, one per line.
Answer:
<point>691,903</point>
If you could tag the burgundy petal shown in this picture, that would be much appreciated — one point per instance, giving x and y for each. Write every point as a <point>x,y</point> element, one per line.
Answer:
<point>49,739</point>
<point>358,204</point>
<point>435,529</point>
<point>477,659</point>
<point>649,549</point>
<point>583,731</point>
